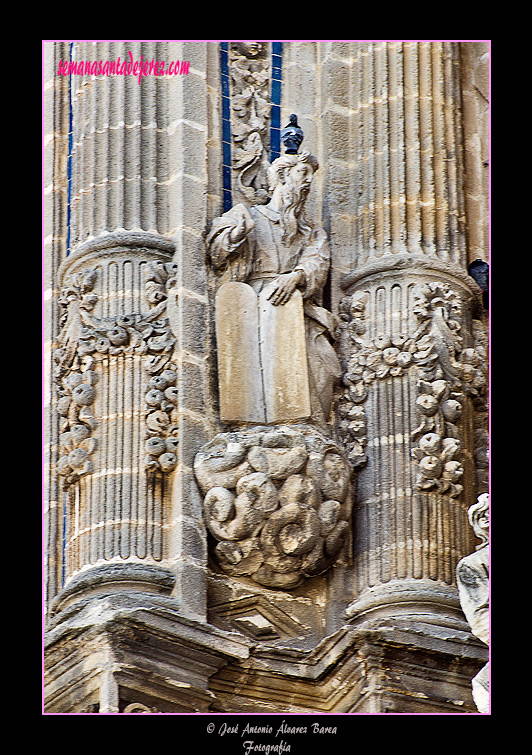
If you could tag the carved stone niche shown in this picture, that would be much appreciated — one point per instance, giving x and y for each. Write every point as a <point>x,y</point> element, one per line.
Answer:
<point>277,501</point>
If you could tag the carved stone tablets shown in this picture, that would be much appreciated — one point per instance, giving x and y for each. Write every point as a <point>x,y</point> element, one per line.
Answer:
<point>239,369</point>
<point>284,359</point>
<point>262,357</point>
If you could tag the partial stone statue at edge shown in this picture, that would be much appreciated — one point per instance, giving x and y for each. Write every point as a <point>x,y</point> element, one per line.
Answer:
<point>473,586</point>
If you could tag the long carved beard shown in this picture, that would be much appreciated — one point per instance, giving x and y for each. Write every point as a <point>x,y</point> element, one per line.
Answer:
<point>291,218</point>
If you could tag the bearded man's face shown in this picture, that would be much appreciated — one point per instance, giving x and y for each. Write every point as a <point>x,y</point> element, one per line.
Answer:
<point>294,192</point>
<point>296,188</point>
<point>300,177</point>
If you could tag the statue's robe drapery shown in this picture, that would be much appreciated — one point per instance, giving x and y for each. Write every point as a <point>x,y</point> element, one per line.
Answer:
<point>258,259</point>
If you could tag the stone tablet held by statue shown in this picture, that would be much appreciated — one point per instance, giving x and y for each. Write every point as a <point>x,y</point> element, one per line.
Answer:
<point>262,356</point>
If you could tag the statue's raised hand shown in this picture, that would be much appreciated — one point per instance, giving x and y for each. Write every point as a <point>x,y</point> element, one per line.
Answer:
<point>244,224</point>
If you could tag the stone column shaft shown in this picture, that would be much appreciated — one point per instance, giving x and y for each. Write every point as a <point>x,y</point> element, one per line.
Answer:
<point>120,144</point>
<point>408,147</point>
<point>409,402</point>
<point>130,367</point>
<point>417,477</point>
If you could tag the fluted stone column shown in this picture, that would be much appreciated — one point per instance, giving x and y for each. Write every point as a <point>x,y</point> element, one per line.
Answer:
<point>414,357</point>
<point>118,395</point>
<point>134,305</point>
<point>55,226</point>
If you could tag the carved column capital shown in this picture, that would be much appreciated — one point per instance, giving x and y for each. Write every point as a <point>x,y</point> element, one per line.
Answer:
<point>416,265</point>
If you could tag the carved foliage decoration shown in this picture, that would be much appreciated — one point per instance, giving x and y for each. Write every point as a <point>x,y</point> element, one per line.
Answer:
<point>250,102</point>
<point>447,373</point>
<point>277,501</point>
<point>365,360</point>
<point>161,397</point>
<point>75,381</point>
<point>86,341</point>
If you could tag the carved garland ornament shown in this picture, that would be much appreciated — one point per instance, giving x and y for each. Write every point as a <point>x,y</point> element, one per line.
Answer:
<point>85,342</point>
<point>277,501</point>
<point>447,373</point>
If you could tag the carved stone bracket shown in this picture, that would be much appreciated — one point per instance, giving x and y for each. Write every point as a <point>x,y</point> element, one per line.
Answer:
<point>277,501</point>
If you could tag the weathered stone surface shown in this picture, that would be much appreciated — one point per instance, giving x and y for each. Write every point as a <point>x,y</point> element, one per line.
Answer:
<point>238,354</point>
<point>267,502</point>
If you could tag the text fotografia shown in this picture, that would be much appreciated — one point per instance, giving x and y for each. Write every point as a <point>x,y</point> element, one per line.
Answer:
<point>127,67</point>
<point>250,745</point>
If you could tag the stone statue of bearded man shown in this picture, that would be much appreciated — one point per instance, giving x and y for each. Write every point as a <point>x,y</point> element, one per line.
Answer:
<point>275,246</point>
